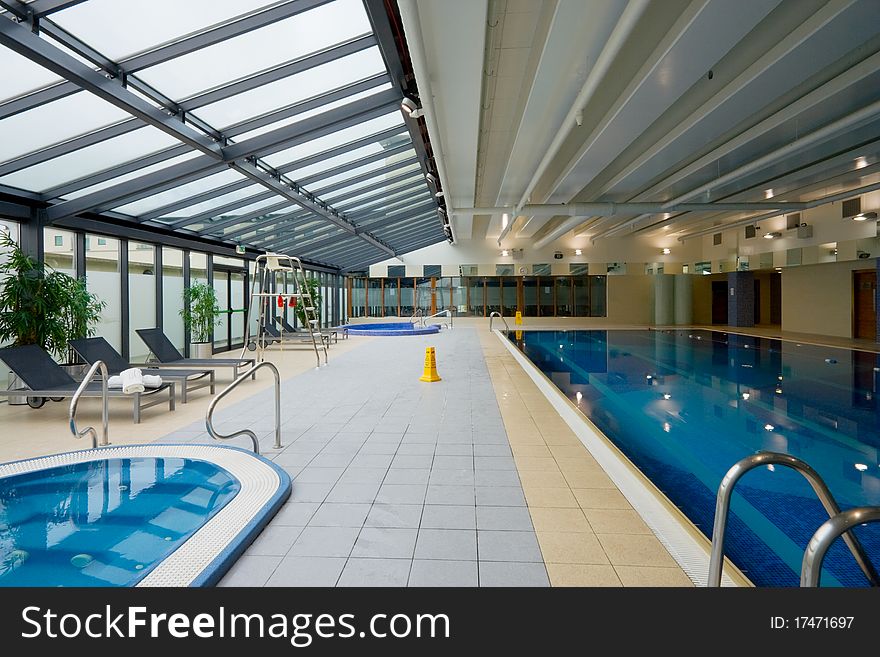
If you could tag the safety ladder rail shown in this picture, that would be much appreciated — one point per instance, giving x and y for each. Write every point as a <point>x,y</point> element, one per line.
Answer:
<point>828,532</point>
<point>105,410</point>
<point>447,313</point>
<point>497,314</point>
<point>417,316</point>
<point>209,416</point>
<point>725,492</point>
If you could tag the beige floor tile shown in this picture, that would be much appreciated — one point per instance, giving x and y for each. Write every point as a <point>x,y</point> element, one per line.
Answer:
<point>577,574</point>
<point>569,451</point>
<point>651,576</point>
<point>542,479</point>
<point>595,478</point>
<point>524,439</point>
<point>570,547</point>
<point>559,520</point>
<point>616,521</point>
<point>550,497</point>
<point>535,464</point>
<point>531,451</point>
<point>561,439</point>
<point>635,550</point>
<point>600,498</point>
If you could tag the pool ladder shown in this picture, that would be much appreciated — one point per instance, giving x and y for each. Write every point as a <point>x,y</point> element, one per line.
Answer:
<point>494,314</point>
<point>839,523</point>
<point>448,313</point>
<point>105,413</point>
<point>209,416</point>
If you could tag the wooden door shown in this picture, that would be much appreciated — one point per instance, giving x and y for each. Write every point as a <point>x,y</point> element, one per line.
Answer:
<point>719,302</point>
<point>864,305</point>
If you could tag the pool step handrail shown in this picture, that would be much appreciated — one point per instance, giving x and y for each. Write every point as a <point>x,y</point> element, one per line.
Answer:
<point>447,313</point>
<point>417,317</point>
<point>828,532</point>
<point>105,407</point>
<point>725,492</point>
<point>497,314</point>
<point>209,416</point>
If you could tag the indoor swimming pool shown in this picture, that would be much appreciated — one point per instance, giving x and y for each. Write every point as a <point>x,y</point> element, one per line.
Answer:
<point>685,405</point>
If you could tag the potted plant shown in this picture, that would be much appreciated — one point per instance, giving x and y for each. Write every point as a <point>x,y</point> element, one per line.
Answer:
<point>41,306</point>
<point>313,286</point>
<point>201,313</point>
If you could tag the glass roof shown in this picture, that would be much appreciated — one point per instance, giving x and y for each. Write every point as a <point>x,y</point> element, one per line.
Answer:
<point>229,108</point>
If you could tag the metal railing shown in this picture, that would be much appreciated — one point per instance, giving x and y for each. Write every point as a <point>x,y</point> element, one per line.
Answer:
<point>424,320</point>
<point>105,411</point>
<point>417,317</point>
<point>495,313</point>
<point>725,492</point>
<point>209,417</point>
<point>811,568</point>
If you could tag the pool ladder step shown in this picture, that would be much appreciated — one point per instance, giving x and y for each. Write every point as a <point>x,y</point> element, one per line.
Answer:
<point>838,523</point>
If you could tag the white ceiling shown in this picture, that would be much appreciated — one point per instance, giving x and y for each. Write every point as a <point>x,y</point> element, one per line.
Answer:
<point>703,101</point>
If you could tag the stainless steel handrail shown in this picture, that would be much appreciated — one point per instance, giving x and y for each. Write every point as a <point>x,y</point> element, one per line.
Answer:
<point>725,492</point>
<point>418,313</point>
<point>495,313</point>
<point>446,312</point>
<point>209,417</point>
<point>814,555</point>
<point>105,412</point>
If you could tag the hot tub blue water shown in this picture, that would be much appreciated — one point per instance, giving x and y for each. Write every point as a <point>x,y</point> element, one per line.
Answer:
<point>391,328</point>
<point>105,522</point>
<point>684,406</point>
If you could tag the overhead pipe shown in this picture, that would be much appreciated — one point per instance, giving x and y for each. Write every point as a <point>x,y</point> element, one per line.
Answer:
<point>409,14</point>
<point>616,40</point>
<point>833,198</point>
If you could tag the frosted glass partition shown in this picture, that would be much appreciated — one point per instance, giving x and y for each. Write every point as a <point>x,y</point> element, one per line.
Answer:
<point>103,280</point>
<point>221,330</point>
<point>142,296</point>
<point>236,303</point>
<point>172,295</point>
<point>59,247</point>
<point>198,267</point>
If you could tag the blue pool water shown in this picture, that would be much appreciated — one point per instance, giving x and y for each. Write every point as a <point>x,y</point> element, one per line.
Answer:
<point>686,405</point>
<point>392,328</point>
<point>105,522</point>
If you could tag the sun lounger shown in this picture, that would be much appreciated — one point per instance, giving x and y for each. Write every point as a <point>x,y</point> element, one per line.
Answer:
<point>167,355</point>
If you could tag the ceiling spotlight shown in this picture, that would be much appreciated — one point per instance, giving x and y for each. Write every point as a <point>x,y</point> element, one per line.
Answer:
<point>411,108</point>
<point>505,253</point>
<point>667,251</point>
<point>578,252</point>
<point>772,236</point>
<point>505,219</point>
<point>864,216</point>
<point>768,193</point>
<point>861,467</point>
<point>861,162</point>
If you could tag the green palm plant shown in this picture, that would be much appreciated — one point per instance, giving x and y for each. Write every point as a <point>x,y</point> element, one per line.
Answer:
<point>201,312</point>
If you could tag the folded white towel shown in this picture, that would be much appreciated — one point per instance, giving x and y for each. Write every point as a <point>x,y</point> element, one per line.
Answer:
<point>114,381</point>
<point>152,380</point>
<point>132,381</point>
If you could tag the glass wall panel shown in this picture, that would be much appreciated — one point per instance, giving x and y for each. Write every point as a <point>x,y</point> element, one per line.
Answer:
<point>103,280</point>
<point>581,286</point>
<point>142,296</point>
<point>598,287</point>
<point>493,295</point>
<point>198,267</point>
<point>172,295</point>
<point>221,291</point>
<point>60,247</point>
<point>237,302</point>
<point>530,297</point>
<point>442,294</point>
<point>358,297</point>
<point>407,297</point>
<point>424,295</point>
<point>545,297</point>
<point>508,295</point>
<point>392,297</point>
<point>458,295</point>
<point>477,296</point>
<point>374,297</point>
<point>563,297</point>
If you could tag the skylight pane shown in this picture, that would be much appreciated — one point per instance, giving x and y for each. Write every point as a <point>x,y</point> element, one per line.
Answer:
<point>149,23</point>
<point>364,168</point>
<point>258,50</point>
<point>295,88</point>
<point>94,158</point>
<point>216,202</point>
<point>406,182</point>
<point>131,176</point>
<point>55,122</point>
<point>19,75</point>
<point>177,193</point>
<point>371,181</point>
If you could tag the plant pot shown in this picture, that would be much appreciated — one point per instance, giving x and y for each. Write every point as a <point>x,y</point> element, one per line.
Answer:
<point>201,350</point>
<point>76,370</point>
<point>14,384</point>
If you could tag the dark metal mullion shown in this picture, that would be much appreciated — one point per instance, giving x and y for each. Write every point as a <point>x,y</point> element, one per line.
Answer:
<point>186,286</point>
<point>124,299</point>
<point>158,273</point>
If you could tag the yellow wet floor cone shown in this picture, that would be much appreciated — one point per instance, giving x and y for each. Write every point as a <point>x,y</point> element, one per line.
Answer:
<point>430,374</point>
<point>518,319</point>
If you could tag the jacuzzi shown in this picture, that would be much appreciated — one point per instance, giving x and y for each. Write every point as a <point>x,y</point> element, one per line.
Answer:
<point>391,328</point>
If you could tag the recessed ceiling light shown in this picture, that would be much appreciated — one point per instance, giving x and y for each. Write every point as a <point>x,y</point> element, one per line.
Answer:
<point>769,427</point>
<point>666,395</point>
<point>772,236</point>
<point>746,396</point>
<point>768,193</point>
<point>667,251</point>
<point>505,253</point>
<point>578,252</point>
<point>861,467</point>
<point>861,162</point>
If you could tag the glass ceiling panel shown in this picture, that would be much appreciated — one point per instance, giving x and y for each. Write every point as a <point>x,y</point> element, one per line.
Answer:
<point>130,176</point>
<point>149,22</point>
<point>294,88</point>
<point>364,168</point>
<point>216,202</point>
<point>94,158</point>
<point>55,122</point>
<point>387,189</point>
<point>387,199</point>
<point>19,75</point>
<point>183,191</point>
<point>370,181</point>
<point>334,139</point>
<point>294,37</point>
<point>338,160</point>
<point>272,200</point>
